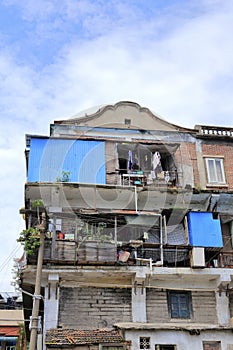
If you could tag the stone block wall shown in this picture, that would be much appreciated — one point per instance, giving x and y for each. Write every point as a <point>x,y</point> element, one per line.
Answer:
<point>91,308</point>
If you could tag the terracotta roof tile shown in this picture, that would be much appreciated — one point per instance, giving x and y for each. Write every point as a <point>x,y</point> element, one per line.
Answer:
<point>9,331</point>
<point>79,337</point>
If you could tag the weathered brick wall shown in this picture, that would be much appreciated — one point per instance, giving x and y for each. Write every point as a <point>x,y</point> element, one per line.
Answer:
<point>111,163</point>
<point>191,149</point>
<point>156,306</point>
<point>90,308</point>
<point>204,307</point>
<point>226,238</point>
<point>226,150</point>
<point>186,162</point>
<point>186,153</point>
<point>203,304</point>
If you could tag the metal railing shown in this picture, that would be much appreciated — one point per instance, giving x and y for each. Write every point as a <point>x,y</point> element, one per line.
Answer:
<point>214,130</point>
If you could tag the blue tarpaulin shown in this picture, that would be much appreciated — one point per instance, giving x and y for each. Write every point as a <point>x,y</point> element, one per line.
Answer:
<point>204,230</point>
<point>82,160</point>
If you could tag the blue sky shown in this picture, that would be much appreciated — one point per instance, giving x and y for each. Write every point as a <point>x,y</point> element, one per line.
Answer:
<point>58,58</point>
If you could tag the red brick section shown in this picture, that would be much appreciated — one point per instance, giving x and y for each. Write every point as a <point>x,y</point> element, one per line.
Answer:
<point>81,337</point>
<point>186,155</point>
<point>222,150</point>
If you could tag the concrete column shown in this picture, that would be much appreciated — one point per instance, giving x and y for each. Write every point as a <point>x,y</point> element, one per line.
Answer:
<point>223,310</point>
<point>139,299</point>
<point>51,302</point>
<point>200,164</point>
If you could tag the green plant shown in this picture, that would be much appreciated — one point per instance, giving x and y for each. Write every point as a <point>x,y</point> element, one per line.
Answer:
<point>65,177</point>
<point>37,203</point>
<point>88,235</point>
<point>21,343</point>
<point>30,239</point>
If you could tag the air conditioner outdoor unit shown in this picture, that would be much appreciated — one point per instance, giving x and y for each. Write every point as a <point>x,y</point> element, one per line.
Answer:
<point>197,258</point>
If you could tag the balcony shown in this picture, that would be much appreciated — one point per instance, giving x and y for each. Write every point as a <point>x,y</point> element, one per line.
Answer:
<point>129,237</point>
<point>149,179</point>
<point>94,253</point>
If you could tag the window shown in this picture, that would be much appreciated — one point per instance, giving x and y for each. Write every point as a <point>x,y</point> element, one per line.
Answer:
<point>112,347</point>
<point>215,171</point>
<point>179,304</point>
<point>127,121</point>
<point>165,347</point>
<point>211,345</point>
<point>144,343</point>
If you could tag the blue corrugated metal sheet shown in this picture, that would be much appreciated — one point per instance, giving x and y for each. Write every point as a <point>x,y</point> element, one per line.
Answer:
<point>204,230</point>
<point>84,160</point>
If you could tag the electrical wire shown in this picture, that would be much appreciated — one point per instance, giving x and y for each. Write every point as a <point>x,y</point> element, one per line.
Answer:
<point>10,257</point>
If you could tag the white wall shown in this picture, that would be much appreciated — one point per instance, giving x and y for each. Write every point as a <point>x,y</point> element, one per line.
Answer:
<point>182,339</point>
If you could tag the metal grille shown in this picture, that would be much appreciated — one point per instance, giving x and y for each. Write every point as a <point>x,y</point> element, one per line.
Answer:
<point>144,343</point>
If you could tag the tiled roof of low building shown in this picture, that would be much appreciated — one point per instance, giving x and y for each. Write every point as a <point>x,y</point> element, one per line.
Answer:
<point>80,337</point>
<point>9,331</point>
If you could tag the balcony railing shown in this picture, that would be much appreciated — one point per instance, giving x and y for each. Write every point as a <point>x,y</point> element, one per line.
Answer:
<point>147,178</point>
<point>68,252</point>
<point>225,260</point>
<point>206,130</point>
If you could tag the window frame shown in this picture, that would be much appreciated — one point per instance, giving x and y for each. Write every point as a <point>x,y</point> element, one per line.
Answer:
<point>186,313</point>
<point>103,346</point>
<point>213,179</point>
<point>207,344</point>
<point>162,346</point>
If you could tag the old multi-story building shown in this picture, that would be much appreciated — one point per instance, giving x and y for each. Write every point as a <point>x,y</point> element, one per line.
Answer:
<point>138,240</point>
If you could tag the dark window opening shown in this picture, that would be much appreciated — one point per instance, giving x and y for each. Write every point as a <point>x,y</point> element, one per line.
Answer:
<point>165,347</point>
<point>127,121</point>
<point>211,345</point>
<point>155,161</point>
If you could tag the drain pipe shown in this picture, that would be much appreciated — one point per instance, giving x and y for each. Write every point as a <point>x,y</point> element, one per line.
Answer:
<point>231,232</point>
<point>136,199</point>
<point>161,238</point>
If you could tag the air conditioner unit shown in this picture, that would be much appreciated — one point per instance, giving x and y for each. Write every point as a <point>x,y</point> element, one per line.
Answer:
<point>197,258</point>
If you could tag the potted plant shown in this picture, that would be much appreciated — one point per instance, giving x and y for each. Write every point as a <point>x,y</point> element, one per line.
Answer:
<point>30,239</point>
<point>95,246</point>
<point>65,177</point>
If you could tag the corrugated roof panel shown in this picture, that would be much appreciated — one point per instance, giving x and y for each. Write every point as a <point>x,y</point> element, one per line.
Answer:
<point>204,230</point>
<point>84,160</point>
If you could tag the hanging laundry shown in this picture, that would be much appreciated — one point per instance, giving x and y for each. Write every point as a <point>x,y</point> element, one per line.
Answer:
<point>135,165</point>
<point>157,167</point>
<point>130,160</point>
<point>167,176</point>
<point>156,159</point>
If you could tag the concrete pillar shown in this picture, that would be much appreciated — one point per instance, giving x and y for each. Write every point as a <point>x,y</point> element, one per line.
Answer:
<point>51,302</point>
<point>200,164</point>
<point>223,310</point>
<point>139,299</point>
